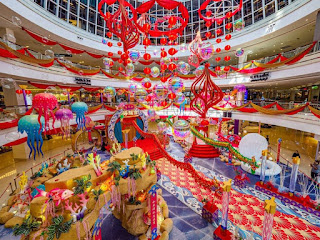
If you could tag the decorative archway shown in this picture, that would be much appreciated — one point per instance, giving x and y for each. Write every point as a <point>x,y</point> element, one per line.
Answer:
<point>114,119</point>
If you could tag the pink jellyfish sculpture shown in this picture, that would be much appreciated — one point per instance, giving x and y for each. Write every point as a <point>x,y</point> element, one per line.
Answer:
<point>64,115</point>
<point>44,103</point>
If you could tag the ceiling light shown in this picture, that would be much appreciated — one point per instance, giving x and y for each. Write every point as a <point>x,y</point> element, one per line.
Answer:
<point>282,43</point>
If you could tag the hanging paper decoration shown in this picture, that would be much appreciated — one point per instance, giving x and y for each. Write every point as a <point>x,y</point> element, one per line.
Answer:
<point>80,108</point>
<point>129,69</point>
<point>146,82</point>
<point>33,125</point>
<point>170,18</point>
<point>238,25</point>
<point>121,22</point>
<point>180,98</point>
<point>206,93</point>
<point>194,47</point>
<point>108,62</point>
<point>217,10</point>
<point>199,71</point>
<point>132,88</point>
<point>64,116</point>
<point>239,52</point>
<point>44,103</point>
<point>206,51</point>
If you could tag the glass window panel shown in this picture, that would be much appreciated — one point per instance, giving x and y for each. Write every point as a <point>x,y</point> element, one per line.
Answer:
<point>73,19</point>
<point>92,16</point>
<point>247,8</point>
<point>282,3</point>
<point>64,3</point>
<point>39,2</point>
<point>83,24</point>
<point>52,7</point>
<point>73,7</point>
<point>270,9</point>
<point>93,4</point>
<point>100,31</point>
<point>100,21</point>
<point>63,14</point>
<point>92,28</point>
<point>258,16</point>
<point>268,1</point>
<point>248,20</point>
<point>257,4</point>
<point>83,11</point>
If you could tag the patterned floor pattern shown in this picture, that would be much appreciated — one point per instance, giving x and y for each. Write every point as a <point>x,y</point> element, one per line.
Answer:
<point>246,210</point>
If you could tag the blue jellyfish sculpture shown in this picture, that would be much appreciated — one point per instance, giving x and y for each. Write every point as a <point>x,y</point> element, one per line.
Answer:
<point>31,126</point>
<point>80,108</point>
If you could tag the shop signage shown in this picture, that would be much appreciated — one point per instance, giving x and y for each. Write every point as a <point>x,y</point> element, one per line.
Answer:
<point>82,81</point>
<point>62,55</point>
<point>260,77</point>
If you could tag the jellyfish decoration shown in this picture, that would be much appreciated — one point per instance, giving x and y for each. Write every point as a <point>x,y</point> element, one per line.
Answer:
<point>80,108</point>
<point>44,103</point>
<point>30,124</point>
<point>64,116</point>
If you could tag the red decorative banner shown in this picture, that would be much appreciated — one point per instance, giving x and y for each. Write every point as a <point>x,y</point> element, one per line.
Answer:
<point>153,211</point>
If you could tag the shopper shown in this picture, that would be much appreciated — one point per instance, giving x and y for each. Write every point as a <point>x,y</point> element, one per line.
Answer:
<point>315,170</point>
<point>296,154</point>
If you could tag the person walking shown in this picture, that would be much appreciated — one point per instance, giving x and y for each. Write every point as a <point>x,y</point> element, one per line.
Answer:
<point>296,154</point>
<point>315,170</point>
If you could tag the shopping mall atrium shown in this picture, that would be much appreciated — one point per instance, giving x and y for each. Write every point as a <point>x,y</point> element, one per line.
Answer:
<point>159,119</point>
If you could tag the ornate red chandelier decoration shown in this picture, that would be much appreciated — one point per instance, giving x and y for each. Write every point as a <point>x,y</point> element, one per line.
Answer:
<point>128,23</point>
<point>206,93</point>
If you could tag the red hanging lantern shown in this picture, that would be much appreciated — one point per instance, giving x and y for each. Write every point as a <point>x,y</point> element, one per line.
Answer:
<point>109,34</point>
<point>228,37</point>
<point>163,54</point>
<point>208,34</point>
<point>146,27</point>
<point>204,122</point>
<point>147,56</point>
<point>172,51</point>
<point>163,79</point>
<point>124,56</point>
<point>164,67</point>
<point>120,69</point>
<point>229,26</point>
<point>28,92</point>
<point>111,64</point>
<point>218,50</point>
<point>119,44</point>
<point>19,91</point>
<point>227,58</point>
<point>219,31</point>
<point>218,40</point>
<point>173,37</point>
<point>229,14</point>
<point>172,66</point>
<point>119,52</point>
<point>172,20</point>
<point>164,103</point>
<point>226,69</point>
<point>172,96</point>
<point>110,54</point>
<point>127,61</point>
<point>219,21</point>
<point>120,60</point>
<point>218,68</point>
<point>147,70</point>
<point>163,41</point>
<point>110,44</point>
<point>147,85</point>
<point>227,47</point>
<point>148,98</point>
<point>71,93</point>
<point>218,59</point>
<point>208,24</point>
<point>208,13</point>
<point>146,42</point>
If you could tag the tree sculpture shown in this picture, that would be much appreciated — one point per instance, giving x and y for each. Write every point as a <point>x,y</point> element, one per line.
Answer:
<point>206,93</point>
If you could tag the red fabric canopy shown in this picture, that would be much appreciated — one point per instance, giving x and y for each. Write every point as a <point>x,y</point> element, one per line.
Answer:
<point>39,38</point>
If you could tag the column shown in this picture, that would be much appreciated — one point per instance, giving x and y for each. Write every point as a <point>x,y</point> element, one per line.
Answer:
<point>236,126</point>
<point>294,174</point>
<point>126,131</point>
<point>279,148</point>
<point>269,210</point>
<point>316,36</point>
<point>263,166</point>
